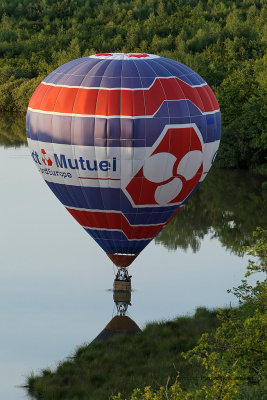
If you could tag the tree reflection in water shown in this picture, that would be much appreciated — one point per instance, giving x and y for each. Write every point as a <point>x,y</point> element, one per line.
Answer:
<point>229,204</point>
<point>12,130</point>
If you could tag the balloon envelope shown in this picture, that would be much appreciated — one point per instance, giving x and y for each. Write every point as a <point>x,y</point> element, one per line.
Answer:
<point>123,140</point>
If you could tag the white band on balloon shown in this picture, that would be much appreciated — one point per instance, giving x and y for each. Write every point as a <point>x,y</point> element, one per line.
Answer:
<point>124,56</point>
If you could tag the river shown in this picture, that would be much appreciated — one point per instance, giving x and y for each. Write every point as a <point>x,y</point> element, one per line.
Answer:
<point>55,280</point>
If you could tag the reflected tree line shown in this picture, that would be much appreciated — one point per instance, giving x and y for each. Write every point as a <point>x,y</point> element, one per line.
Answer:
<point>229,204</point>
<point>12,130</point>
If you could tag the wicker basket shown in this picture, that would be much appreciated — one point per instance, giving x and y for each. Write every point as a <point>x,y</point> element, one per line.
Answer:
<point>122,296</point>
<point>122,286</point>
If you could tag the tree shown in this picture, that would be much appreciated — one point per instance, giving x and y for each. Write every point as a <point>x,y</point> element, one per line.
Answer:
<point>235,354</point>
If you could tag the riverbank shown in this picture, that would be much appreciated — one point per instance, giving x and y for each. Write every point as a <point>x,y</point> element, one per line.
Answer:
<point>123,363</point>
<point>216,354</point>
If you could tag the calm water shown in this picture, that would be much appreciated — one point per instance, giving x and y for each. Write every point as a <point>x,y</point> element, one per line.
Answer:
<point>54,279</point>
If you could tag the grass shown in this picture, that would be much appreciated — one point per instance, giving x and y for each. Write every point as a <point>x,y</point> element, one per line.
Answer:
<point>100,369</point>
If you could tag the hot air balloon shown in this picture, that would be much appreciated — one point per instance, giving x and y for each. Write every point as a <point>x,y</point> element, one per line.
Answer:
<point>123,140</point>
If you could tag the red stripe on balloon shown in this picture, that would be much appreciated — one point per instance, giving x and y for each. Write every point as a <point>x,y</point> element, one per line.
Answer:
<point>120,102</point>
<point>114,221</point>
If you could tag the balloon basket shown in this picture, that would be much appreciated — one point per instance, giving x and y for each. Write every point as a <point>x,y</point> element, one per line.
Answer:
<point>121,286</point>
<point>122,296</point>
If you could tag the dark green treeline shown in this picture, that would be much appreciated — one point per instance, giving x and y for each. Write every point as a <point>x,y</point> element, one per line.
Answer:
<point>12,130</point>
<point>223,41</point>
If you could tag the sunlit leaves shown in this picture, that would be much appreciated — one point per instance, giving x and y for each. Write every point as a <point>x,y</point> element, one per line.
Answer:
<point>234,355</point>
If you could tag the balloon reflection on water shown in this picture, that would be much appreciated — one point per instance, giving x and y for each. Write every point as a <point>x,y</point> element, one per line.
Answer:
<point>121,323</point>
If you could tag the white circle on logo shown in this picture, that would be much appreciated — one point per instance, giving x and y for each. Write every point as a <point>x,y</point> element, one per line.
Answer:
<point>166,193</point>
<point>159,167</point>
<point>190,164</point>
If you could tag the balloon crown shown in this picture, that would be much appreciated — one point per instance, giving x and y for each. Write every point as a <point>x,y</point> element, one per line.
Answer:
<point>124,56</point>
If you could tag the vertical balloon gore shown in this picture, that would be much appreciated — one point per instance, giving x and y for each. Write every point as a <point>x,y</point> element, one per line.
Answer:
<point>123,140</point>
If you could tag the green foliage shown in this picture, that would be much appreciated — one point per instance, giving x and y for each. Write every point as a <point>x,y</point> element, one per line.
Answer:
<point>12,130</point>
<point>227,363</point>
<point>175,392</point>
<point>243,103</point>
<point>225,42</point>
<point>234,356</point>
<point>125,362</point>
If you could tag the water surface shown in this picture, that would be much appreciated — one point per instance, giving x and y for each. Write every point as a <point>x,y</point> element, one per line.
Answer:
<point>54,279</point>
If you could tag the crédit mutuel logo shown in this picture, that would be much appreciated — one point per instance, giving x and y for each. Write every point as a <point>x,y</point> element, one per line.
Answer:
<point>61,164</point>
